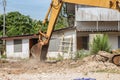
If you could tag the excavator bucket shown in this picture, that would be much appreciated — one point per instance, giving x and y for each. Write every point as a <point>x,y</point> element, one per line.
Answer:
<point>39,52</point>
<point>116,60</point>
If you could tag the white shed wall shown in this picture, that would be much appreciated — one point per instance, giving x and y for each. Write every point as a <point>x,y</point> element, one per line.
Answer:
<point>58,36</point>
<point>25,48</point>
<point>10,49</point>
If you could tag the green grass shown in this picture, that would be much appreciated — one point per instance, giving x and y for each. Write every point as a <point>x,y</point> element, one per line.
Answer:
<point>80,54</point>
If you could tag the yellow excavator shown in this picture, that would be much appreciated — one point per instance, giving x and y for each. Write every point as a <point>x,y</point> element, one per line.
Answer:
<point>40,49</point>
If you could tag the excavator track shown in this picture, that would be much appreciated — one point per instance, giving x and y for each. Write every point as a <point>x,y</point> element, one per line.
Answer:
<point>116,60</point>
<point>39,51</point>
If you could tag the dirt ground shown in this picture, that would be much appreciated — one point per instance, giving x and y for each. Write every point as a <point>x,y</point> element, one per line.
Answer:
<point>61,70</point>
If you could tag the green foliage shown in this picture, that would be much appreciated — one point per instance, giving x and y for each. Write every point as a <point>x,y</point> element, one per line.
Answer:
<point>36,25</point>
<point>61,23</point>
<point>3,56</point>
<point>62,18</point>
<point>100,43</point>
<point>44,27</point>
<point>80,54</point>
<point>18,24</point>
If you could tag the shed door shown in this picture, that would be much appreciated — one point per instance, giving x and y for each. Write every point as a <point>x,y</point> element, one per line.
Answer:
<point>82,42</point>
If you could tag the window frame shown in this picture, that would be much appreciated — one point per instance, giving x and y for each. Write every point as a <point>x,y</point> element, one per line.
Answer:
<point>17,45</point>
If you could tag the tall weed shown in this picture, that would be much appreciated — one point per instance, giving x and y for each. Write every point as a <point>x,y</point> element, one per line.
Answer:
<point>100,43</point>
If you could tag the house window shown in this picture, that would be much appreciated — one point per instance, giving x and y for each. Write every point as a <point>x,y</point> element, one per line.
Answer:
<point>18,45</point>
<point>118,41</point>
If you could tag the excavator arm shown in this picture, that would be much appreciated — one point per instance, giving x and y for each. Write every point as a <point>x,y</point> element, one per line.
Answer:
<point>39,50</point>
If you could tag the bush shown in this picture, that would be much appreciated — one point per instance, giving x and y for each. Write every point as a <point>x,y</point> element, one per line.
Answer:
<point>3,56</point>
<point>100,43</point>
<point>80,54</point>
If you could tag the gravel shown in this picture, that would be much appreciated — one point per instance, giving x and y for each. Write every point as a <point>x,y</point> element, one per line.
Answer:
<point>63,70</point>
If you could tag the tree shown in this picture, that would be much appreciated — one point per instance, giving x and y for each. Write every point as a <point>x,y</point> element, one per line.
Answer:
<point>36,26</point>
<point>18,24</point>
<point>61,22</point>
<point>62,19</point>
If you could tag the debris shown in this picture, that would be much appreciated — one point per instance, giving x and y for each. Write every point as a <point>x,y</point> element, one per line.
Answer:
<point>70,68</point>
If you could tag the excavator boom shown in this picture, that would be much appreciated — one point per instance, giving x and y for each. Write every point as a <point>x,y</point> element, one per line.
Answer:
<point>41,48</point>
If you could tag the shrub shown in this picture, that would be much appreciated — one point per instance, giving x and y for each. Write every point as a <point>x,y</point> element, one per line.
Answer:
<point>80,54</point>
<point>3,56</point>
<point>100,43</point>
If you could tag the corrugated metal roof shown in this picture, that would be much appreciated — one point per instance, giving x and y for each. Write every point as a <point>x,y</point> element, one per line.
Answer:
<point>63,29</point>
<point>20,37</point>
<point>31,36</point>
<point>95,30</point>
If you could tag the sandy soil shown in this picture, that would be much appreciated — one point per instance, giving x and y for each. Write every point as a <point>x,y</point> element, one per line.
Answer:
<point>62,70</point>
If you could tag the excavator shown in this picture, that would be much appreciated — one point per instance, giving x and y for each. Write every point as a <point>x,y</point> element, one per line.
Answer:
<point>40,49</point>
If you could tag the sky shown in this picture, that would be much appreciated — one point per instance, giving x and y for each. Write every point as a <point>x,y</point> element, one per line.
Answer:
<point>36,9</point>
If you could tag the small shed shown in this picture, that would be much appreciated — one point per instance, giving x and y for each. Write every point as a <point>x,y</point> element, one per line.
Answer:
<point>62,42</point>
<point>19,46</point>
